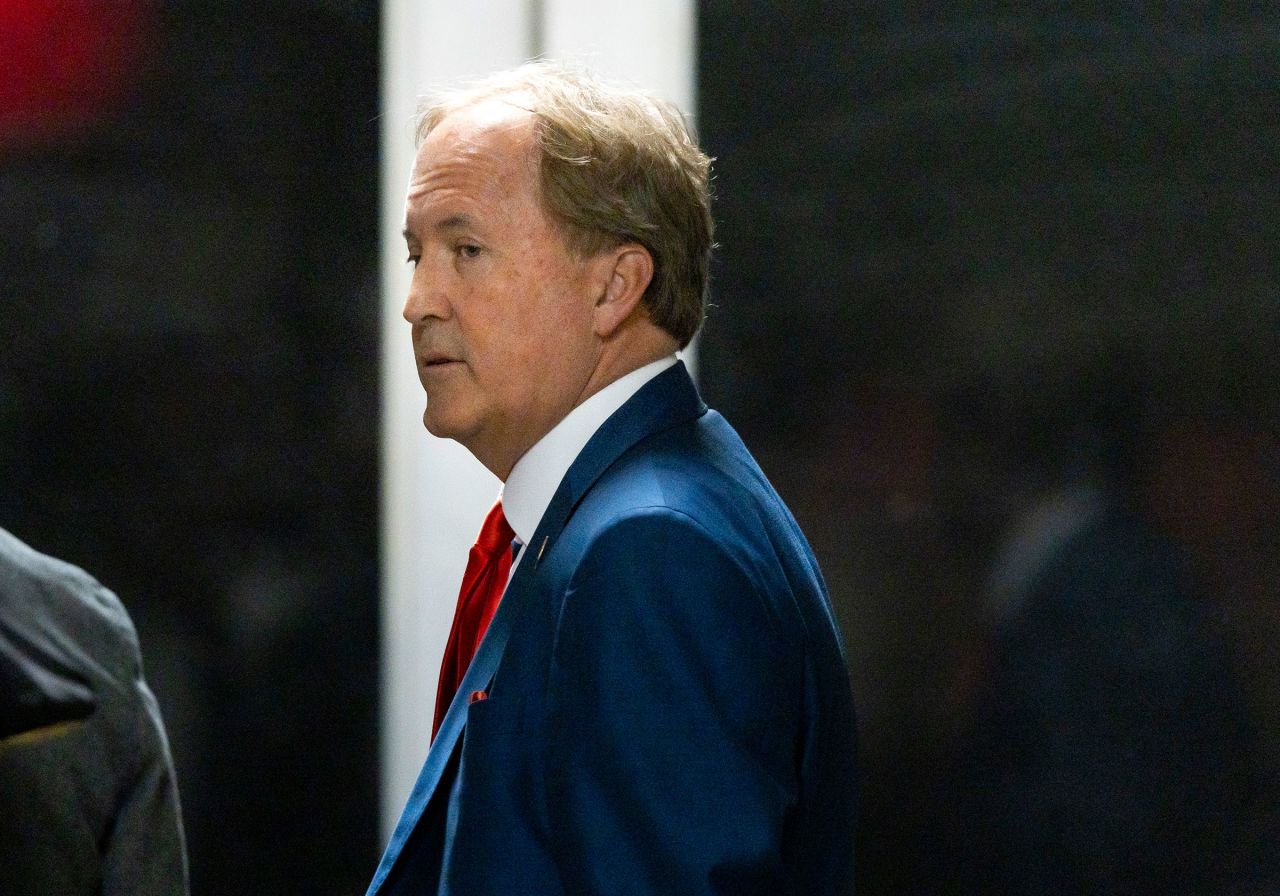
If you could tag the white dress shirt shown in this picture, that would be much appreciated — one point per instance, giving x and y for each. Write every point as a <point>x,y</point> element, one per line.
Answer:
<point>536,476</point>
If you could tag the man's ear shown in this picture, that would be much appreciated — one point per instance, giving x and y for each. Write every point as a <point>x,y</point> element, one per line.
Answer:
<point>629,269</point>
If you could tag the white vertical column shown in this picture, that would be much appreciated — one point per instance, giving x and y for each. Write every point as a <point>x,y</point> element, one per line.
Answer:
<point>649,44</point>
<point>434,494</point>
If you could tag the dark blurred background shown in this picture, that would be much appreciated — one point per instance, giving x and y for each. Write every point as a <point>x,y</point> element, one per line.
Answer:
<point>188,390</point>
<point>1000,318</point>
<point>995,306</point>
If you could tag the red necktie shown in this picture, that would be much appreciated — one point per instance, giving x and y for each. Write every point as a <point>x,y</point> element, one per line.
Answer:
<point>488,566</point>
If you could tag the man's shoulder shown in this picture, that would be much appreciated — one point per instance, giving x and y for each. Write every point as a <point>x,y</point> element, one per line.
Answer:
<point>697,474</point>
<point>42,594</point>
<point>682,467</point>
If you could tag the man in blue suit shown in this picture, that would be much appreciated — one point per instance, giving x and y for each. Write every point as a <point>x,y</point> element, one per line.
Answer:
<point>660,704</point>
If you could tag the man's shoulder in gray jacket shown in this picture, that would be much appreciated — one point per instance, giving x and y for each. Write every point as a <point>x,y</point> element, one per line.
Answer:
<point>86,778</point>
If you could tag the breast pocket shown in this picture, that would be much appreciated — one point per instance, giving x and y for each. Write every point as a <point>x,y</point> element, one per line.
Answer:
<point>492,771</point>
<point>492,732</point>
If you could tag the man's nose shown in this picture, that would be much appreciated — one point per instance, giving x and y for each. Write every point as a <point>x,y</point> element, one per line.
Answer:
<point>426,299</point>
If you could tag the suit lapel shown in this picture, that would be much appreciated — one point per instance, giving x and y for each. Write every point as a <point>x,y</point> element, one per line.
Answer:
<point>479,674</point>
<point>665,401</point>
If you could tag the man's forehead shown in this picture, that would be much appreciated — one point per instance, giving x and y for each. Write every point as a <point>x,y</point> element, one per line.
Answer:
<point>477,156</point>
<point>492,123</point>
<point>493,137</point>
<point>504,110</point>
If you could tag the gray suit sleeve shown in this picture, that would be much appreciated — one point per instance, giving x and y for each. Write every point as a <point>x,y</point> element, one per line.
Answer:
<point>90,806</point>
<point>145,853</point>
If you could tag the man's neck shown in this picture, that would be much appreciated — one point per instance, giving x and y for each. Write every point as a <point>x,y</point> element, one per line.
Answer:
<point>632,347</point>
<point>536,476</point>
<point>636,345</point>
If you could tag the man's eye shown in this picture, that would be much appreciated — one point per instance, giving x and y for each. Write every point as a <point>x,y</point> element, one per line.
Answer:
<point>413,260</point>
<point>467,250</point>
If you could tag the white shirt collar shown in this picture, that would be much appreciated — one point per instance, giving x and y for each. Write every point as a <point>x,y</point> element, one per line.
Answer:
<point>534,479</point>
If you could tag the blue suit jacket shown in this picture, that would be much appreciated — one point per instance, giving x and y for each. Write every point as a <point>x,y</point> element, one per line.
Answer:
<point>669,708</point>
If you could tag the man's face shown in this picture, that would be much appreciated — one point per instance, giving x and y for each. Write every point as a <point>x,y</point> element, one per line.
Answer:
<point>501,309</point>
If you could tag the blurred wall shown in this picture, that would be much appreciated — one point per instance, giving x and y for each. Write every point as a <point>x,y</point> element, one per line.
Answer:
<point>188,397</point>
<point>996,306</point>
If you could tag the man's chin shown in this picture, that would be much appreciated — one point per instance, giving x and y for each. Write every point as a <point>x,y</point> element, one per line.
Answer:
<point>440,426</point>
<point>432,424</point>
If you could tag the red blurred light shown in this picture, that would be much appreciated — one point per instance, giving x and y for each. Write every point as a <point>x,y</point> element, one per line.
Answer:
<point>68,64</point>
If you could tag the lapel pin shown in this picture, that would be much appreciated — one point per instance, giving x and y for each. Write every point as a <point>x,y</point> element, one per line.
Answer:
<point>538,559</point>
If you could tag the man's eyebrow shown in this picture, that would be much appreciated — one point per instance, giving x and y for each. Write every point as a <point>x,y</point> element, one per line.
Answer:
<point>453,222</point>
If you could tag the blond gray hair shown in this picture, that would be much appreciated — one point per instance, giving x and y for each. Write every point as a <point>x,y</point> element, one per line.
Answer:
<point>617,166</point>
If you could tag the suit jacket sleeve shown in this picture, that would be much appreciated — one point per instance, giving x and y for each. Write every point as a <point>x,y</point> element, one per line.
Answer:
<point>146,853</point>
<point>91,806</point>
<point>674,724</point>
